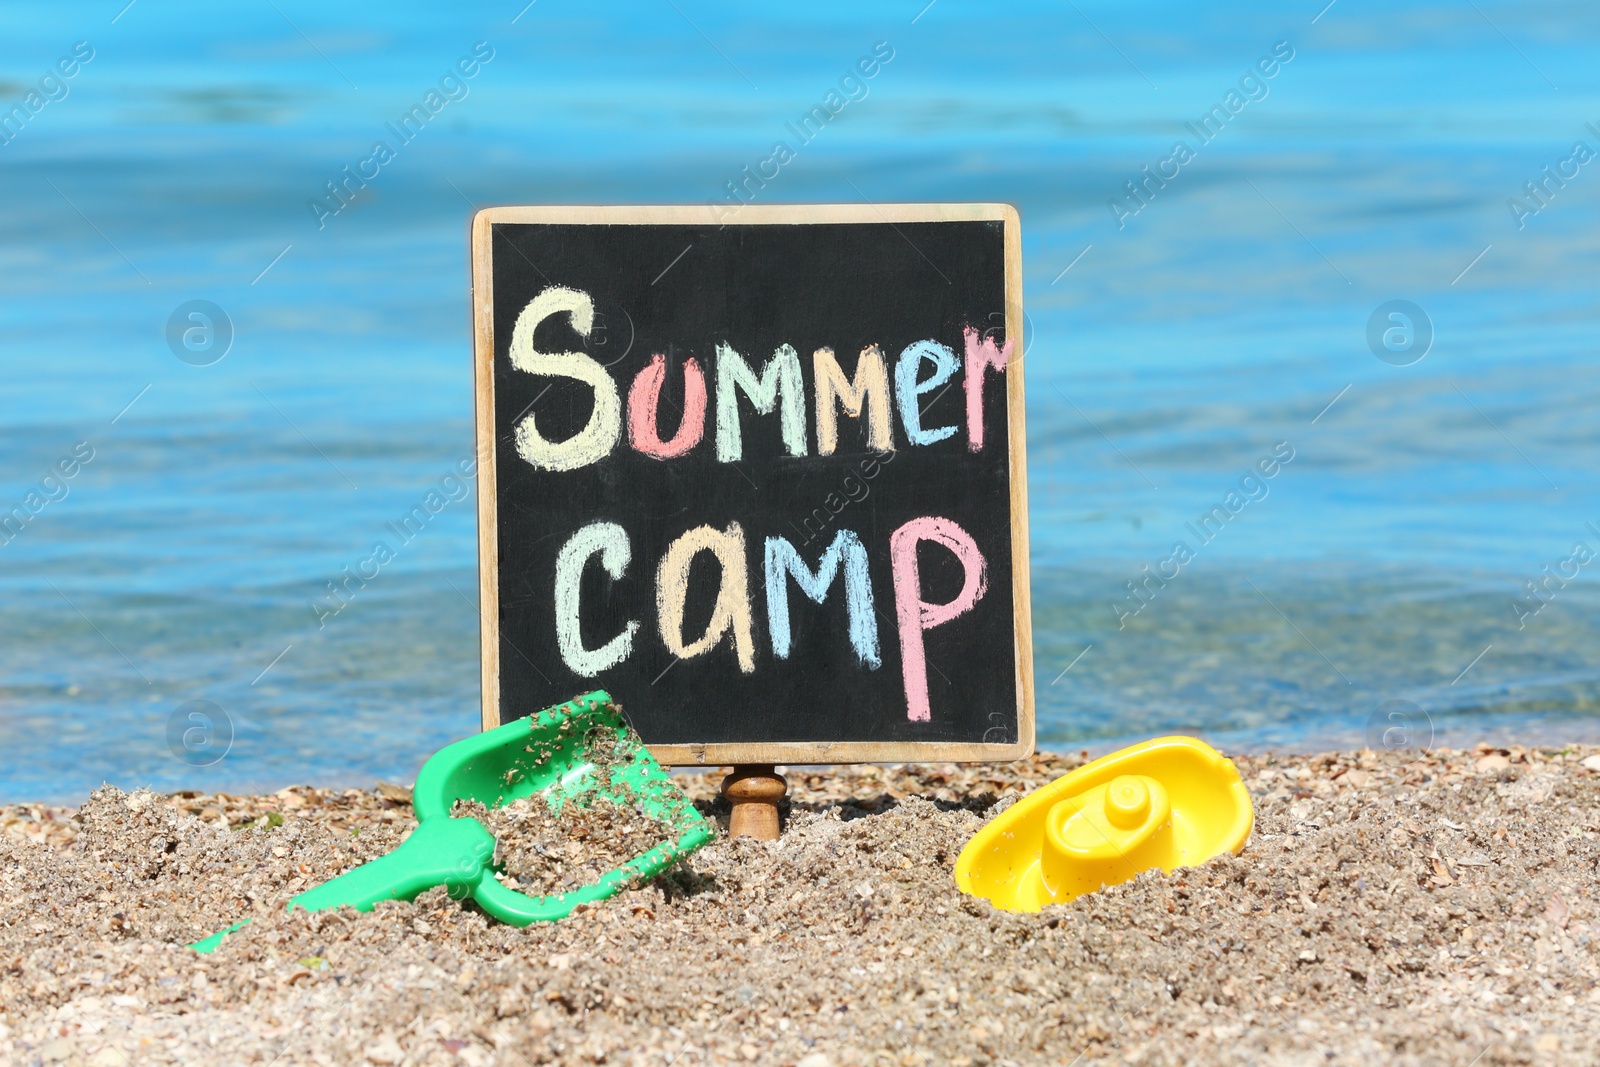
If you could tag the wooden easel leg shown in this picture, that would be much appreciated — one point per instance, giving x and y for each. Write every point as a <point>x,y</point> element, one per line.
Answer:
<point>754,791</point>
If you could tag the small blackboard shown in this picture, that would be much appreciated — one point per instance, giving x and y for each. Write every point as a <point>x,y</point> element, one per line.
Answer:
<point>761,478</point>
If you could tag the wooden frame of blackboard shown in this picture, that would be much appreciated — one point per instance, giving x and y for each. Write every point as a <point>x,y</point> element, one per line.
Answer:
<point>785,752</point>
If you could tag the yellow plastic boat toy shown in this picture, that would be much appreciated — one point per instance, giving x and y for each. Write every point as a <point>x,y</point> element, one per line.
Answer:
<point>1168,803</point>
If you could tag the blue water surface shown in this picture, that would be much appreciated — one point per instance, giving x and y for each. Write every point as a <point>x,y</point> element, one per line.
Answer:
<point>1170,348</point>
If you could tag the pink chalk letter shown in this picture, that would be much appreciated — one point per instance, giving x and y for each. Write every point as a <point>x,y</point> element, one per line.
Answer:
<point>981,356</point>
<point>915,614</point>
<point>644,397</point>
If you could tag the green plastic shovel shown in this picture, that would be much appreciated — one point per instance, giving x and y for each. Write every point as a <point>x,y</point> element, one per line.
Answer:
<point>545,754</point>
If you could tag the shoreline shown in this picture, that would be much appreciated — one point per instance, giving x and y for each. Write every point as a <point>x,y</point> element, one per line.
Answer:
<point>1416,908</point>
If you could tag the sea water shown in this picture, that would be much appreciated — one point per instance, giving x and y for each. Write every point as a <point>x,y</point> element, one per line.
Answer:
<point>1189,313</point>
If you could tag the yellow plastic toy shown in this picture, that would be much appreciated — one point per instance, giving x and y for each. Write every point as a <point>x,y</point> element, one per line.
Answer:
<point>1168,803</point>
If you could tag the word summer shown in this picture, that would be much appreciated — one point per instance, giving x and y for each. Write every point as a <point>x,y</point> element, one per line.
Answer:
<point>844,562</point>
<point>779,387</point>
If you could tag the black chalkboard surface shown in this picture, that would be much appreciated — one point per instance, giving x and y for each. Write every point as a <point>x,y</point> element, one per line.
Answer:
<point>762,479</point>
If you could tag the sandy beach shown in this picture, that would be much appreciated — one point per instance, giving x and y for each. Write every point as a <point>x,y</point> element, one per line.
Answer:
<point>1396,908</point>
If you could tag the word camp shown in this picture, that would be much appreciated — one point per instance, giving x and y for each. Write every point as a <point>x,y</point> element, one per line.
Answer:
<point>776,389</point>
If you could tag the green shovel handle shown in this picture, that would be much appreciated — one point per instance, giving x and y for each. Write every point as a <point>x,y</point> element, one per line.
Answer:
<point>440,851</point>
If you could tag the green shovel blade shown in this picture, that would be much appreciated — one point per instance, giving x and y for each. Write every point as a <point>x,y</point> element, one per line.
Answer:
<point>546,755</point>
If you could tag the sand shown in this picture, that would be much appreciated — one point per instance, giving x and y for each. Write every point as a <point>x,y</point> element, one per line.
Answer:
<point>540,851</point>
<point>1390,908</point>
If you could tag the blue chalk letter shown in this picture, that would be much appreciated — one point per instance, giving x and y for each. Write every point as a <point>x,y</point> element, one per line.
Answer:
<point>784,562</point>
<point>907,388</point>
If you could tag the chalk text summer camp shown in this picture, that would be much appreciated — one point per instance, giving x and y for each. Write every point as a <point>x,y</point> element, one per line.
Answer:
<point>887,395</point>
